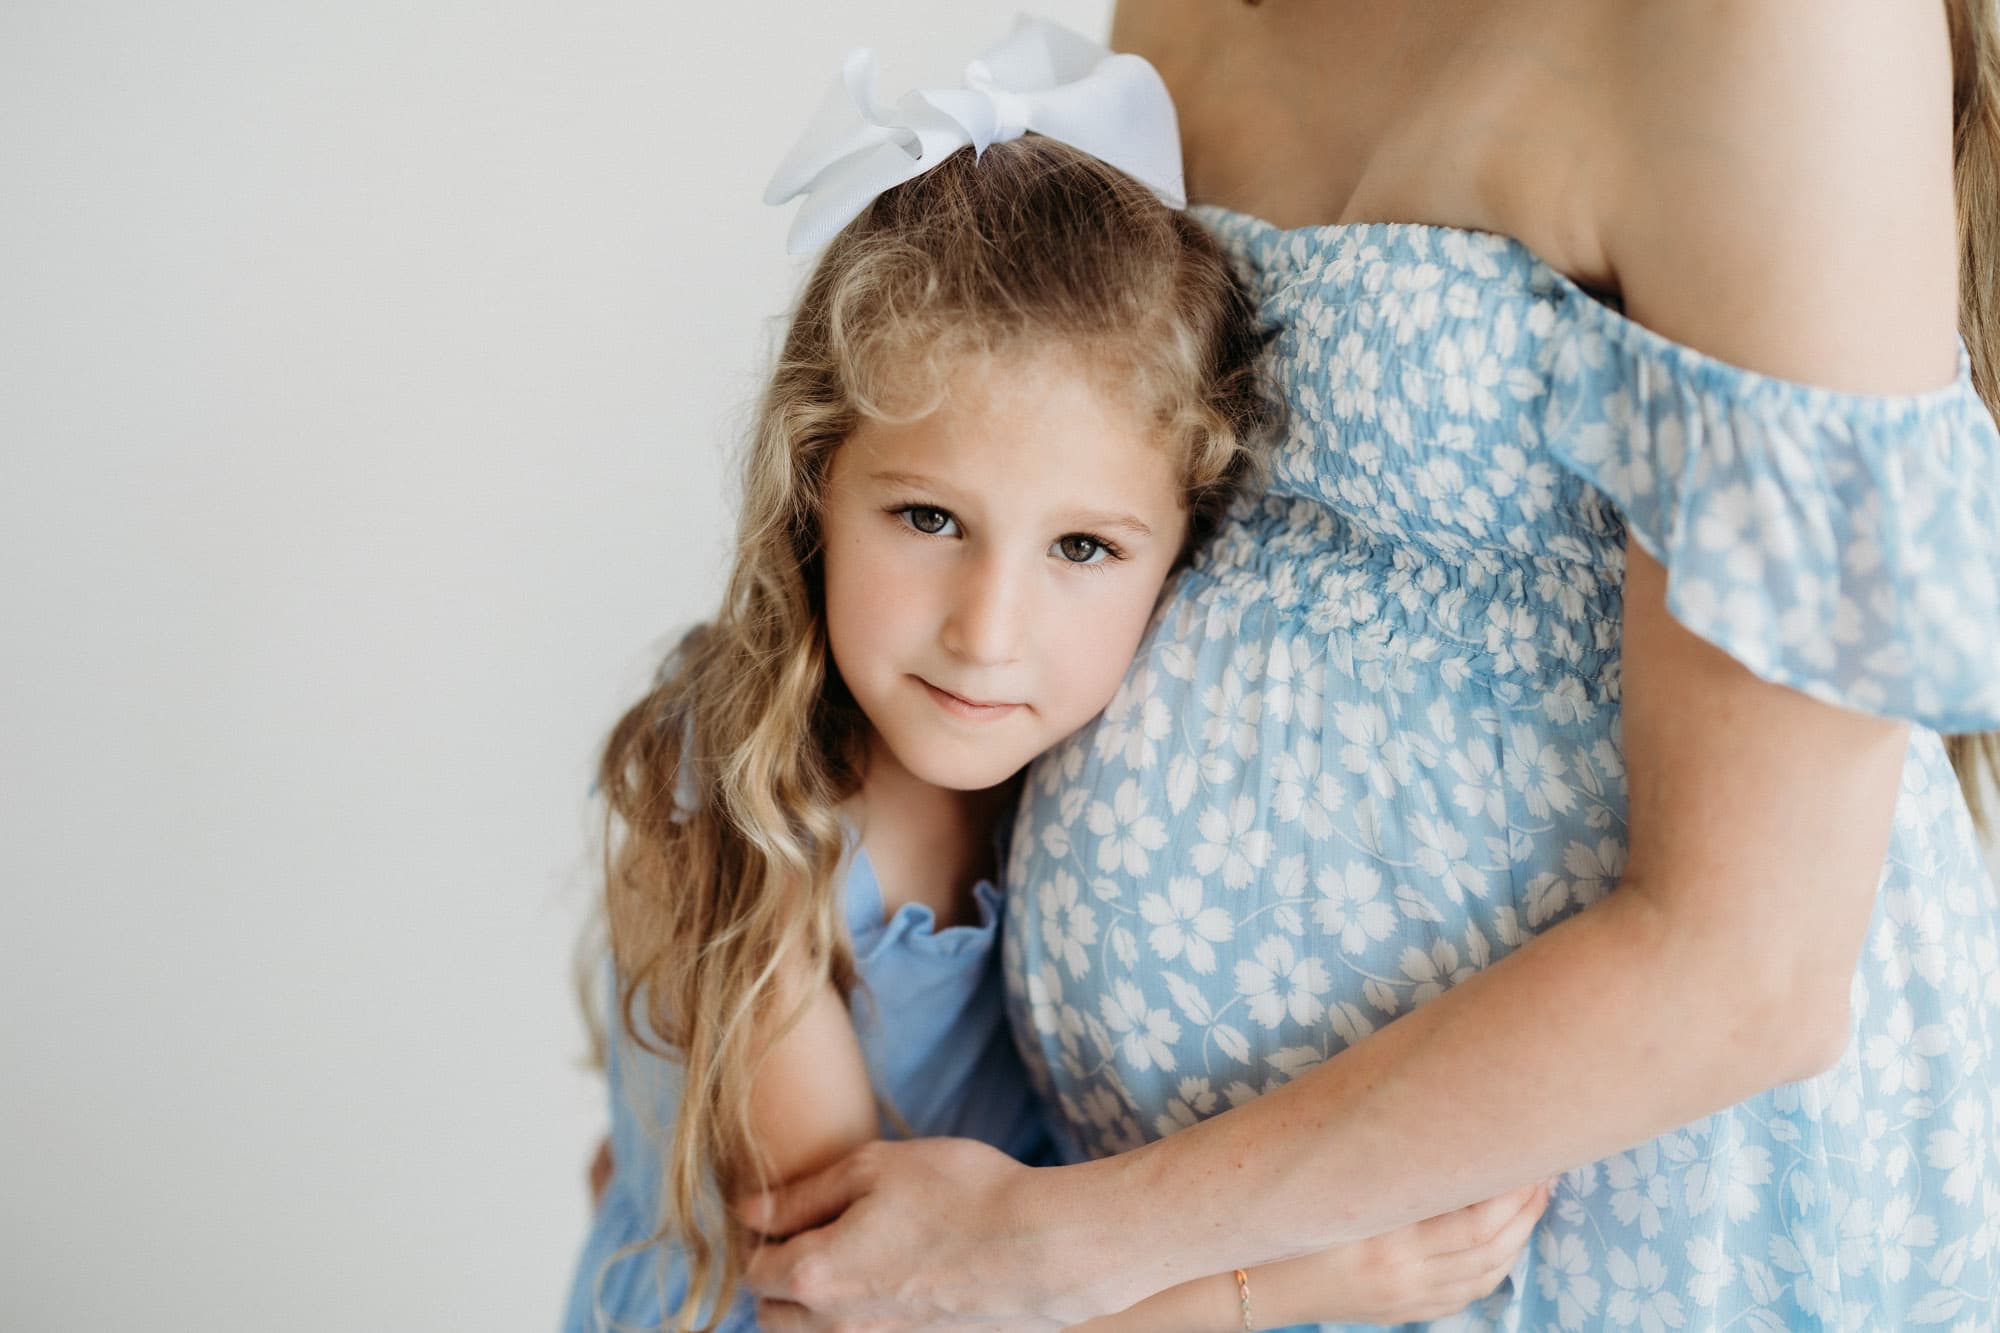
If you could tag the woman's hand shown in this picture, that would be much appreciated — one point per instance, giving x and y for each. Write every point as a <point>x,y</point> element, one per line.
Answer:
<point>1426,1270</point>
<point>979,1219</point>
<point>1422,1271</point>
<point>990,1230</point>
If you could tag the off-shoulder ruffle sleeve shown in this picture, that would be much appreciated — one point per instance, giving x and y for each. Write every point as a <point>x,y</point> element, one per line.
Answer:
<point>1846,545</point>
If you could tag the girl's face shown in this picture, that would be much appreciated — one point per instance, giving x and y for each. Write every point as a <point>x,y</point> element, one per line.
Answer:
<point>990,567</point>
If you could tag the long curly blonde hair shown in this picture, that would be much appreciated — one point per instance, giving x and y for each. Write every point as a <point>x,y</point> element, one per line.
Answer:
<point>723,784</point>
<point>1975,63</point>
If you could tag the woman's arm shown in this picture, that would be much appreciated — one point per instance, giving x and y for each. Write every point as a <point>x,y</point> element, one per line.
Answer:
<point>1423,1271</point>
<point>1788,206</point>
<point>1718,968</point>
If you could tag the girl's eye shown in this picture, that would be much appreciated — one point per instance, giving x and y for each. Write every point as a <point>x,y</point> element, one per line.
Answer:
<point>1081,550</point>
<point>925,519</point>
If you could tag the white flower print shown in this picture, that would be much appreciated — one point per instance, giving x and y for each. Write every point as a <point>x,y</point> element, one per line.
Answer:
<point>1135,722</point>
<point>1192,1103</point>
<point>1354,374</point>
<point>1535,769</point>
<point>1412,303</point>
<point>1182,924</point>
<point>1564,703</point>
<point>1344,600</point>
<point>1638,1188</point>
<point>1182,773</point>
<point>1470,375</point>
<point>1441,482</point>
<point>1815,1276</point>
<point>1593,868</point>
<point>1435,971</point>
<point>1412,579</point>
<point>1349,907</point>
<point>1306,794</point>
<point>1710,1270</point>
<point>1530,485</point>
<point>1117,1131</point>
<point>1512,636</point>
<point>1126,830</point>
<point>1441,854</point>
<point>1294,683</point>
<point>1902,1052</point>
<point>1233,715</point>
<point>1366,729</point>
<point>1231,842</point>
<point>1750,1171</point>
<point>1640,1298</point>
<point>1478,791</point>
<point>1145,1035</point>
<point>1910,939</point>
<point>1069,924</point>
<point>1563,1274</point>
<point>1279,982</point>
<point>1903,1229</point>
<point>1960,1151</point>
<point>1049,1014</point>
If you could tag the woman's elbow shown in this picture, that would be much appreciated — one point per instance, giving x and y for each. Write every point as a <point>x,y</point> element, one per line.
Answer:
<point>1797,1035</point>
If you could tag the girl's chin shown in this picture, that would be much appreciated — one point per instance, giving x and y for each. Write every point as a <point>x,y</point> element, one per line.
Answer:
<point>963,765</point>
<point>970,778</point>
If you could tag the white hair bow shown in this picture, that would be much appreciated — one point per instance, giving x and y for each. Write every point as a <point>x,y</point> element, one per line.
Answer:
<point>1043,78</point>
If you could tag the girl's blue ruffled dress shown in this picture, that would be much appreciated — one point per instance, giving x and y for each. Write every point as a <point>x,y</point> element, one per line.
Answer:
<point>934,1035</point>
<point>1371,745</point>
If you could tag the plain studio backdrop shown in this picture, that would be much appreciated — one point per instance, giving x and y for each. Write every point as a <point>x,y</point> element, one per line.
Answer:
<point>368,376</point>
<point>368,373</point>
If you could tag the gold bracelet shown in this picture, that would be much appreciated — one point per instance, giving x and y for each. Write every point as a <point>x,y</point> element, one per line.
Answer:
<point>1243,1292</point>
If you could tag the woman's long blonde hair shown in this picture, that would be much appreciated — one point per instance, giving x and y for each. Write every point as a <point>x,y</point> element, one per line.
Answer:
<point>1975,63</point>
<point>723,785</point>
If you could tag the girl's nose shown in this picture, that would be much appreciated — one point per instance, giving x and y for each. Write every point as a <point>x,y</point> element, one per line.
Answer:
<point>985,622</point>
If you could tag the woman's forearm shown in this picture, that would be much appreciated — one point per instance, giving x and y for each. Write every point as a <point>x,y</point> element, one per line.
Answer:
<point>1629,1020</point>
<point>1205,1303</point>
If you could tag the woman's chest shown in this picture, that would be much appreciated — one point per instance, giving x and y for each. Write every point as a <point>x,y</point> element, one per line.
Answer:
<point>1485,117</point>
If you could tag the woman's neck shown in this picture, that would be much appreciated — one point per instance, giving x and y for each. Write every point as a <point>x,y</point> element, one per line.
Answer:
<point>1282,106</point>
<point>927,843</point>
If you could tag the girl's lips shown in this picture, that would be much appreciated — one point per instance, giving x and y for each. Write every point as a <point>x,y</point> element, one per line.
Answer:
<point>960,706</point>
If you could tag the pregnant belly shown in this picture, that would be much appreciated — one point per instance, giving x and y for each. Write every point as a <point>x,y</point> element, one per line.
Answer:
<point>1307,811</point>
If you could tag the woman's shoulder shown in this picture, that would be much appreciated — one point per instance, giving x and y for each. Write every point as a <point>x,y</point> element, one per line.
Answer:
<point>1778,186</point>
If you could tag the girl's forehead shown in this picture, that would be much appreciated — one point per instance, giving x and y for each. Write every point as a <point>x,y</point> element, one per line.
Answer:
<point>1050,384</point>
<point>1021,428</point>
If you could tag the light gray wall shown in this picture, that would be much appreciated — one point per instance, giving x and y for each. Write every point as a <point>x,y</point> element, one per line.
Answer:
<point>365,374</point>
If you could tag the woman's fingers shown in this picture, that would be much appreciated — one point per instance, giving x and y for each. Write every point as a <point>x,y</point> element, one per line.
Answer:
<point>1489,1237</point>
<point>1505,1247</point>
<point>1477,1225</point>
<point>1474,1272</point>
<point>794,1272</point>
<point>809,1201</point>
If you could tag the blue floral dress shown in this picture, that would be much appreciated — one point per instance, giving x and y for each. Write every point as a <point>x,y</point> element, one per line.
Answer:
<point>1371,745</point>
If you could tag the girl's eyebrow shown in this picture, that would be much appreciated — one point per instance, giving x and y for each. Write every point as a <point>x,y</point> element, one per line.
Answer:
<point>1127,523</point>
<point>1130,524</point>
<point>907,479</point>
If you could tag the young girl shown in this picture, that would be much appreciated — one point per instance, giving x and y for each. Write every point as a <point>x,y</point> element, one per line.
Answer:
<point>1015,391</point>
